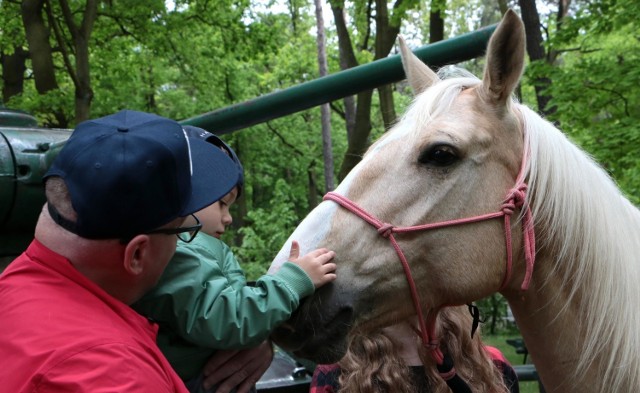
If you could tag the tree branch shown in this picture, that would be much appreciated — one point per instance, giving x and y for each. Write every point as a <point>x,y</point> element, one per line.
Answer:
<point>68,17</point>
<point>61,44</point>
<point>592,86</point>
<point>284,141</point>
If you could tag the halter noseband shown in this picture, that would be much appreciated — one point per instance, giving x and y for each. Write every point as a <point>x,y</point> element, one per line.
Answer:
<point>515,199</point>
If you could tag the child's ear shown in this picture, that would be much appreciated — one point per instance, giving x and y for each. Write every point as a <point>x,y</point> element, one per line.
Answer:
<point>136,253</point>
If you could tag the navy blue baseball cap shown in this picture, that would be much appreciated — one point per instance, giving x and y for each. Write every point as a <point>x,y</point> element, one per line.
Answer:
<point>199,133</point>
<point>131,172</point>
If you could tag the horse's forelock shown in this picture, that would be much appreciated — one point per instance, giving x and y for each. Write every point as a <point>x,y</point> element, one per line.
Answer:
<point>437,100</point>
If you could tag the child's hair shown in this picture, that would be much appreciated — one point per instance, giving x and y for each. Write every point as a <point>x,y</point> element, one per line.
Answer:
<point>373,364</point>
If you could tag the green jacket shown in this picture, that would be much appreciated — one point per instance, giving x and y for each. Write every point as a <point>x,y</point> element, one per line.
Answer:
<point>203,303</point>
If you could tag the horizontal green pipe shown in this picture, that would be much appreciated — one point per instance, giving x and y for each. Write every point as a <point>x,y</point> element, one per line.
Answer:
<point>341,84</point>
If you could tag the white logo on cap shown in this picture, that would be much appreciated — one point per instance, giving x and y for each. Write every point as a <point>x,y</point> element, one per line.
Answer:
<point>189,149</point>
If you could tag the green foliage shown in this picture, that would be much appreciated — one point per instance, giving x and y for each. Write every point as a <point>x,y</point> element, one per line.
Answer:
<point>493,313</point>
<point>401,10</point>
<point>11,29</point>
<point>267,230</point>
<point>596,91</point>
<point>46,107</point>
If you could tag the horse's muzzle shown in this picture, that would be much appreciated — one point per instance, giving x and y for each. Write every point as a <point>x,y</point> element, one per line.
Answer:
<point>316,339</point>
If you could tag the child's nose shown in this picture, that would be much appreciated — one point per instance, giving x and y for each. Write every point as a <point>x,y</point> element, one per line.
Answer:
<point>227,219</point>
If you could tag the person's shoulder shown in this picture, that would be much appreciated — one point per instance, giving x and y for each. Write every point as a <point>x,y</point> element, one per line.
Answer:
<point>495,354</point>
<point>203,240</point>
<point>509,375</point>
<point>203,245</point>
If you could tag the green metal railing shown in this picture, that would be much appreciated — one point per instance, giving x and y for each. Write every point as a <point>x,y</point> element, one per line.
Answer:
<point>341,84</point>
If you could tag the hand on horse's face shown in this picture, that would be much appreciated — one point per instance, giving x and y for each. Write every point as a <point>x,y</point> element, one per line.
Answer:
<point>317,264</point>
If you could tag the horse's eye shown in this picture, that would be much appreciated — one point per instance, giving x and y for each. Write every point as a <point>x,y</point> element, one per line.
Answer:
<point>439,155</point>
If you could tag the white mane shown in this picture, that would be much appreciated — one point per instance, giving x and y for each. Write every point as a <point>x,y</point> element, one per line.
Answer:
<point>595,231</point>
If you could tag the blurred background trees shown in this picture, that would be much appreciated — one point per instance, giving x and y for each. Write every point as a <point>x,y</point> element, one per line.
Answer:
<point>69,60</point>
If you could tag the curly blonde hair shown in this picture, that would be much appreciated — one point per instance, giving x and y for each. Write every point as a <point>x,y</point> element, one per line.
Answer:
<point>373,363</point>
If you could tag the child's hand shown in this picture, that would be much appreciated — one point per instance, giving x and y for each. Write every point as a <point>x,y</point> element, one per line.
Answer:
<point>316,264</point>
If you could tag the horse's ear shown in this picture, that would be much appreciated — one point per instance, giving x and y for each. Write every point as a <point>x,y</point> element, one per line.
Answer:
<point>418,74</point>
<point>505,59</point>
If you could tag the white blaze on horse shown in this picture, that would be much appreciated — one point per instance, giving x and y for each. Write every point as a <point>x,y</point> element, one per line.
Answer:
<point>466,149</point>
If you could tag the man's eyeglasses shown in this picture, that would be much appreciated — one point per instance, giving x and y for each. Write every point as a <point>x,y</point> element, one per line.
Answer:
<point>186,234</point>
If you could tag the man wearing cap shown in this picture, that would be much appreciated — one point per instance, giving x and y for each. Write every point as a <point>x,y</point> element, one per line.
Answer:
<point>117,194</point>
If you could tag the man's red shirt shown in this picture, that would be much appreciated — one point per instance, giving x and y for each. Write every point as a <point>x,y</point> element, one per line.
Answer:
<point>60,332</point>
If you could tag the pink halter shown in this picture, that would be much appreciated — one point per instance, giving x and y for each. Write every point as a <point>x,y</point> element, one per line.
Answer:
<point>515,199</point>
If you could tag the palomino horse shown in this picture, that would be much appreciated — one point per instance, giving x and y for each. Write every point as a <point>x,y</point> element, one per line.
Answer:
<point>465,179</point>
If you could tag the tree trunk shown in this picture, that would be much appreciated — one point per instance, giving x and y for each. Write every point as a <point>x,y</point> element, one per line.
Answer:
<point>359,141</point>
<point>436,22</point>
<point>347,60</point>
<point>84,92</point>
<point>325,112</point>
<point>387,106</point>
<point>40,50</point>
<point>358,115</point>
<point>312,193</point>
<point>386,35</point>
<point>536,52</point>
<point>80,36</point>
<point>13,67</point>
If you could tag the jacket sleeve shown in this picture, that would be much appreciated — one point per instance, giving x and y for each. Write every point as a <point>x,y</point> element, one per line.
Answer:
<point>204,298</point>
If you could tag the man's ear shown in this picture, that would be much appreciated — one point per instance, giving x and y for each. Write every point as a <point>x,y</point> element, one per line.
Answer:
<point>136,254</point>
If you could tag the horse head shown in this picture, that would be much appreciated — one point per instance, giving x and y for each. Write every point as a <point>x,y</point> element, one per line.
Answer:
<point>455,153</point>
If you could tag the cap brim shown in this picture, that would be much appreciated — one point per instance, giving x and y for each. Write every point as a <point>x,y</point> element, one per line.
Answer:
<point>214,175</point>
